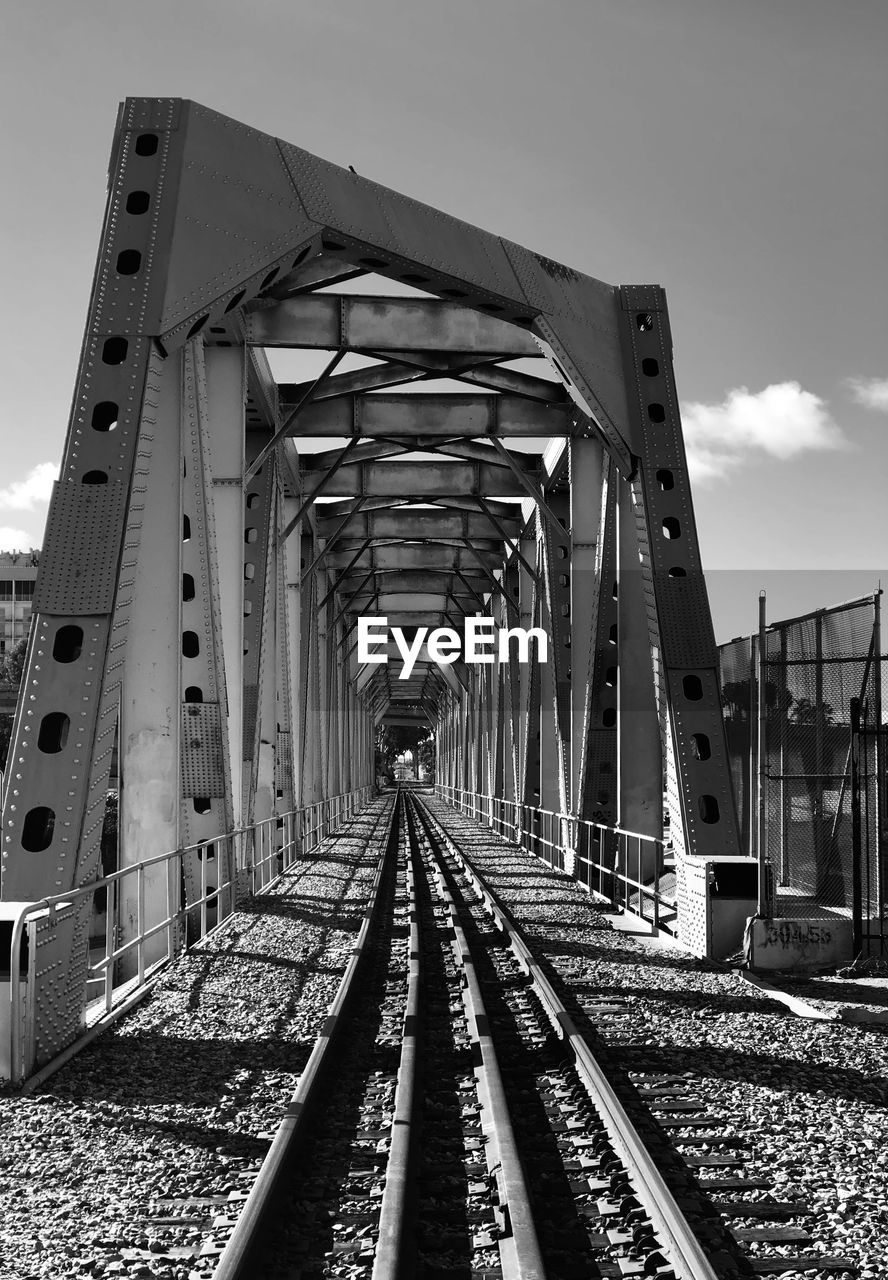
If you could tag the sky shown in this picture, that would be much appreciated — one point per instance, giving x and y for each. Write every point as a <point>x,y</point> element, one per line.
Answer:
<point>733,152</point>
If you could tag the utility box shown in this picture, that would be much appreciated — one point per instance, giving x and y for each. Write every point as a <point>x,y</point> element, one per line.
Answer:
<point>17,991</point>
<point>716,896</point>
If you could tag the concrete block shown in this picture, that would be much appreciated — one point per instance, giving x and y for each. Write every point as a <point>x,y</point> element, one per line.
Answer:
<point>804,944</point>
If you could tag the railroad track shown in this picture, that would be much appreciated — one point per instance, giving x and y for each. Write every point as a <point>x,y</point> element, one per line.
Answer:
<point>701,1154</point>
<point>455,1120</point>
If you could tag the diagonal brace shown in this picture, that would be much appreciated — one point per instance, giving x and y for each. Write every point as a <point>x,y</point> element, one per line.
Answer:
<point>284,429</point>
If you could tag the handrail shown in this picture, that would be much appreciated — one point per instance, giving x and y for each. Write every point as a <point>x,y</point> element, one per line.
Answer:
<point>242,842</point>
<point>566,817</point>
<point>552,836</point>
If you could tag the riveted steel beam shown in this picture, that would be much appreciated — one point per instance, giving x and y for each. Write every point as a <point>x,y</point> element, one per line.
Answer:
<point>707,820</point>
<point>394,479</point>
<point>428,414</point>
<point>204,746</point>
<point>435,580</point>
<point>423,555</point>
<point>421,524</point>
<point>365,323</point>
<point>398,601</point>
<point>596,634</point>
<point>555,548</point>
<point>640,750</point>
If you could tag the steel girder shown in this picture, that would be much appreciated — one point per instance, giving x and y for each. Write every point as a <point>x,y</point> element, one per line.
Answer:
<point>431,479</point>
<point>384,324</point>
<point>434,416</point>
<point>410,523</point>
<point>205,217</point>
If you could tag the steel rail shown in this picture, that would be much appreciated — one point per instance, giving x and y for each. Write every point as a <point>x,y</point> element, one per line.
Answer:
<point>394,1248</point>
<point>676,1235</point>
<point>236,1258</point>
<point>519,1246</point>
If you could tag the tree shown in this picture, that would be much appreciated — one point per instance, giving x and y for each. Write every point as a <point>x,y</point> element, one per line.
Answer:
<point>806,711</point>
<point>426,756</point>
<point>393,740</point>
<point>12,664</point>
<point>736,696</point>
<point>5,735</point>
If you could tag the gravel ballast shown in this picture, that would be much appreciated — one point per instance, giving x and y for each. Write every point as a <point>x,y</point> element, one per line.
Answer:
<point>812,1097</point>
<point>181,1097</point>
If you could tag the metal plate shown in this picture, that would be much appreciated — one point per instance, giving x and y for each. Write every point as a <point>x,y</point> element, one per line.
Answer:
<point>250,711</point>
<point>78,572</point>
<point>203,772</point>
<point>396,224</point>
<point>161,114</point>
<point>643,297</point>
<point>236,213</point>
<point>594,381</point>
<point>685,621</point>
<point>693,904</point>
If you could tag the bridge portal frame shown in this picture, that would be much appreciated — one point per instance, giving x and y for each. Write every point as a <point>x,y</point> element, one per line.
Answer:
<point>172,603</point>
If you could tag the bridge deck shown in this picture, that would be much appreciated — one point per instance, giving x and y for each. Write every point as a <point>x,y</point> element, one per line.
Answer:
<point>152,1135</point>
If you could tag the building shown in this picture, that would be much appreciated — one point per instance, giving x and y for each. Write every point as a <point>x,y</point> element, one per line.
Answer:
<point>18,573</point>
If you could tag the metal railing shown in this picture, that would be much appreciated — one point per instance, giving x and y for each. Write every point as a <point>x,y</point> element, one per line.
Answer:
<point>623,866</point>
<point>252,857</point>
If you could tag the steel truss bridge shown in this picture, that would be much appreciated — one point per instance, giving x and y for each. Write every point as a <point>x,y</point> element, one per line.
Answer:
<point>201,577</point>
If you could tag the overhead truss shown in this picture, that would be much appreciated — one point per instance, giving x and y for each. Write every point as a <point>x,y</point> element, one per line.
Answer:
<point>202,574</point>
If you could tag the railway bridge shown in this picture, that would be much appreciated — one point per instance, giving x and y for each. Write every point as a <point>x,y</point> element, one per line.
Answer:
<point>305,401</point>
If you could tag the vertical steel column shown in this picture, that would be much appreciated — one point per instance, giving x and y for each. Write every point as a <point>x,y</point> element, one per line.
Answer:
<point>689,656</point>
<point>599,795</point>
<point>508,696</point>
<point>226,390</point>
<point>586,502</point>
<point>326,661</point>
<point>521,673</point>
<point>531,610</point>
<point>308,682</point>
<point>556,695</point>
<point>206,772</point>
<point>640,754</point>
<point>288,761</point>
<point>158,655</point>
<point>259,591</point>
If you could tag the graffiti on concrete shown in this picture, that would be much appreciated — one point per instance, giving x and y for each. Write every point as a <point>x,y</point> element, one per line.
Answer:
<point>797,935</point>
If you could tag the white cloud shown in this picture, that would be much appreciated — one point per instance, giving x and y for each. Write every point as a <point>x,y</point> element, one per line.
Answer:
<point>16,539</point>
<point>33,491</point>
<point>870,392</point>
<point>781,422</point>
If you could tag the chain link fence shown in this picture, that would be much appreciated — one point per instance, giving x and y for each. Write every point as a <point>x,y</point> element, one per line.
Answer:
<point>813,667</point>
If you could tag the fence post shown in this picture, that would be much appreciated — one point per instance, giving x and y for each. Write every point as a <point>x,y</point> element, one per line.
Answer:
<point>110,940</point>
<point>140,921</point>
<point>856,842</point>
<point>763,908</point>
